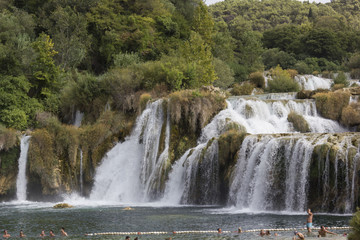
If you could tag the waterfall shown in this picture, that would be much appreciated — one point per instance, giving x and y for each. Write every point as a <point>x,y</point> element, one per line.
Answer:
<point>78,118</point>
<point>311,82</point>
<point>131,170</point>
<point>272,173</point>
<point>273,168</point>
<point>81,172</point>
<point>259,116</point>
<point>21,177</point>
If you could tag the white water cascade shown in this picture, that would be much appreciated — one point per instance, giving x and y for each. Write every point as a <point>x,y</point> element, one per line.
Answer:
<point>78,118</point>
<point>81,172</point>
<point>21,181</point>
<point>311,82</point>
<point>272,169</point>
<point>131,171</point>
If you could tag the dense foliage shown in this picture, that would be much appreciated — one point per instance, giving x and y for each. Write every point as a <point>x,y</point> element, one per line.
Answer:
<point>60,56</point>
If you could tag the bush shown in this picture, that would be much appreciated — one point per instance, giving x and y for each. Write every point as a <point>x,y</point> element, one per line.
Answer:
<point>242,89</point>
<point>14,118</point>
<point>355,224</point>
<point>282,82</point>
<point>273,57</point>
<point>8,138</point>
<point>330,105</point>
<point>351,115</point>
<point>354,61</point>
<point>292,73</point>
<point>257,79</point>
<point>341,79</point>
<point>225,75</point>
<point>144,99</point>
<point>355,73</point>
<point>126,59</point>
<point>302,68</point>
<point>299,122</point>
<point>327,74</point>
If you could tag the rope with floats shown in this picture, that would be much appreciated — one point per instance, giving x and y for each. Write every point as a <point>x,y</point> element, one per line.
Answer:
<point>208,231</point>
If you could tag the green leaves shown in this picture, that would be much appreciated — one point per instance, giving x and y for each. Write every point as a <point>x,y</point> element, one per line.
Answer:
<point>45,72</point>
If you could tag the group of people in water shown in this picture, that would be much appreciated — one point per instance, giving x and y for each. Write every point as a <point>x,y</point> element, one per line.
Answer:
<point>297,235</point>
<point>42,234</point>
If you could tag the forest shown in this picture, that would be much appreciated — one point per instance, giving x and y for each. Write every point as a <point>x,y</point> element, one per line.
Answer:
<point>59,56</point>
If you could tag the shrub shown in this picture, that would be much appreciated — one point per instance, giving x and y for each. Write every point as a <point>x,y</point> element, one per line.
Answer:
<point>299,122</point>
<point>225,75</point>
<point>242,89</point>
<point>337,87</point>
<point>14,118</point>
<point>351,115</point>
<point>8,138</point>
<point>341,79</point>
<point>282,82</point>
<point>355,73</point>
<point>257,79</point>
<point>327,74</point>
<point>126,59</point>
<point>330,105</point>
<point>354,61</point>
<point>144,99</point>
<point>355,224</point>
<point>302,67</point>
<point>292,73</point>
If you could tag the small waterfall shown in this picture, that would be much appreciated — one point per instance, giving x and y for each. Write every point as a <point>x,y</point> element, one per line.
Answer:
<point>195,177</point>
<point>78,118</point>
<point>311,82</point>
<point>21,181</point>
<point>126,174</point>
<point>268,117</point>
<point>81,172</point>
<point>273,173</point>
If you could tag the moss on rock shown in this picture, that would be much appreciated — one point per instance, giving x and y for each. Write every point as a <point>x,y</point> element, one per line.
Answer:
<point>330,105</point>
<point>299,123</point>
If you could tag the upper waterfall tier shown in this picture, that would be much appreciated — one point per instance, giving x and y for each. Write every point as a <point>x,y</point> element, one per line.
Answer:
<point>259,116</point>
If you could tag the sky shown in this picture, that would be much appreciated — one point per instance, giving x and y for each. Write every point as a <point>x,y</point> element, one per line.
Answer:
<point>208,2</point>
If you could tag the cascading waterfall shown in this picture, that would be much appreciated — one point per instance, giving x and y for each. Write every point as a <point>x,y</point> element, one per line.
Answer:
<point>311,82</point>
<point>21,181</point>
<point>81,172</point>
<point>276,168</point>
<point>78,118</point>
<point>131,171</point>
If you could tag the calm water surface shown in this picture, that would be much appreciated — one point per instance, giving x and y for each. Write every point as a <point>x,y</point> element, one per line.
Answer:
<point>33,217</point>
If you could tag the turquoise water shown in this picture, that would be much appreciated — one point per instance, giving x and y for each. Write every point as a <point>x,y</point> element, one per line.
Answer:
<point>79,220</point>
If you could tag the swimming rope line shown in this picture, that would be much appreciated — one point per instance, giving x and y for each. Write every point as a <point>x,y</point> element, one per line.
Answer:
<point>206,231</point>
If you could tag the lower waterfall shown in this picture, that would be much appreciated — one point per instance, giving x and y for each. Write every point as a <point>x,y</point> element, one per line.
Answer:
<point>131,171</point>
<point>21,181</point>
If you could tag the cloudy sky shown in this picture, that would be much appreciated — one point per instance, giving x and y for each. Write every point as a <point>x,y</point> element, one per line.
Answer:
<point>214,1</point>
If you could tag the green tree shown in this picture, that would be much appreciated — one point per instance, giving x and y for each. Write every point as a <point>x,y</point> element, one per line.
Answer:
<point>45,72</point>
<point>198,56</point>
<point>203,23</point>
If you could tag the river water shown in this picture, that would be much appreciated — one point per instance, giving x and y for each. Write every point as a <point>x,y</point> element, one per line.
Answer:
<point>32,217</point>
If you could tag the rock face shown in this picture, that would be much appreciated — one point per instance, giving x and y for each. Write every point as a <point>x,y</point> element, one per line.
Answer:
<point>9,153</point>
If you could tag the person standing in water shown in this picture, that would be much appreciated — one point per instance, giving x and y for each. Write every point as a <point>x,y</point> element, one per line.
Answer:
<point>42,234</point>
<point>62,232</point>
<point>51,233</point>
<point>6,234</point>
<point>309,220</point>
<point>21,235</point>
